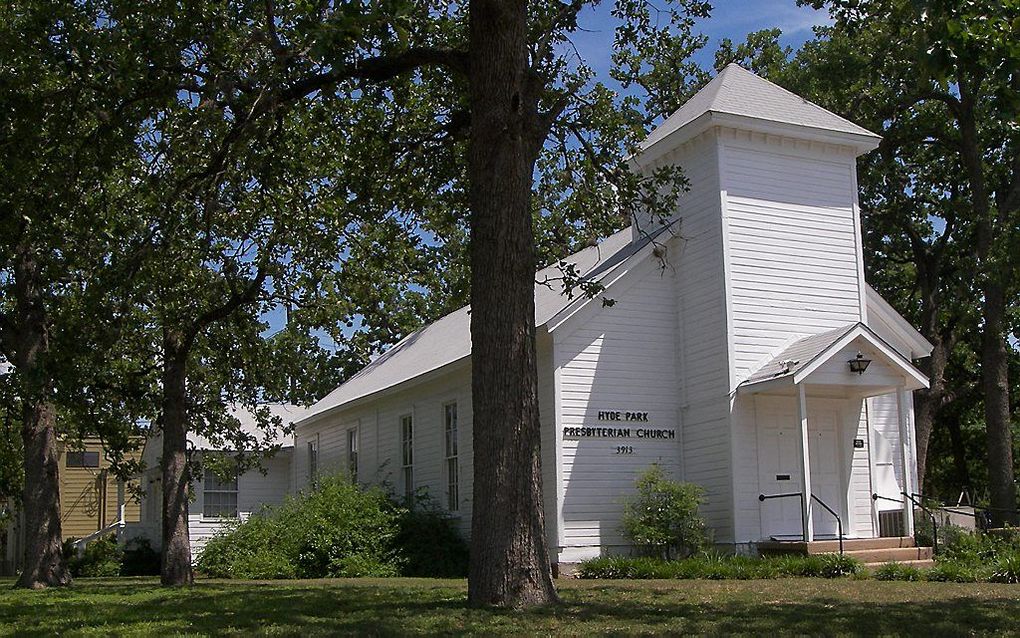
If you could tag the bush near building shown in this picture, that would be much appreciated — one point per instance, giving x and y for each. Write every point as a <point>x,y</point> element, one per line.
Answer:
<point>662,518</point>
<point>337,529</point>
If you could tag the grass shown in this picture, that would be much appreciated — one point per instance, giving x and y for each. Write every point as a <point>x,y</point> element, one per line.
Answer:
<point>390,607</point>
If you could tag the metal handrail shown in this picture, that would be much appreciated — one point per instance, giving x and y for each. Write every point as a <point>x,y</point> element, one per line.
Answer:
<point>876,497</point>
<point>934,524</point>
<point>765,497</point>
<point>839,521</point>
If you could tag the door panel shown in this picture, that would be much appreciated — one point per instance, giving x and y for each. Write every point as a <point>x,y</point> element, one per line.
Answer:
<point>779,473</point>
<point>823,449</point>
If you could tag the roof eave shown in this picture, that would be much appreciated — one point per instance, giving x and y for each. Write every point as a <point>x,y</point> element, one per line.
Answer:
<point>861,330</point>
<point>860,142</point>
<point>364,398</point>
<point>919,345</point>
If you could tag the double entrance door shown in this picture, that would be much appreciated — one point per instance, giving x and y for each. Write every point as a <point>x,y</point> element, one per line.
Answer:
<point>779,467</point>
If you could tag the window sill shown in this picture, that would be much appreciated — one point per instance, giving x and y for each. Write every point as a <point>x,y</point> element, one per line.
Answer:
<point>217,519</point>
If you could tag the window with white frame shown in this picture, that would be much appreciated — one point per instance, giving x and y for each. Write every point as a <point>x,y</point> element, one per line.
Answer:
<point>452,464</point>
<point>313,460</point>
<point>352,453</point>
<point>219,495</point>
<point>407,455</point>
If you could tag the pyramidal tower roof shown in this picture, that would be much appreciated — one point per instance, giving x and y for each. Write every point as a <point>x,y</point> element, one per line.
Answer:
<point>735,91</point>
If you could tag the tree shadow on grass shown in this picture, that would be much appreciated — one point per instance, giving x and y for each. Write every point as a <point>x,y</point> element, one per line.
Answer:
<point>816,617</point>
<point>352,609</point>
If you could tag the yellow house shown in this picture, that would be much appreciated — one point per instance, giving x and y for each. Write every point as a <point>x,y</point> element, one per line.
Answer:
<point>91,496</point>
<point>93,501</point>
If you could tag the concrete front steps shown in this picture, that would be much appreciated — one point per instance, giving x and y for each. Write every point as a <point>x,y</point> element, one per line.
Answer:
<point>870,551</point>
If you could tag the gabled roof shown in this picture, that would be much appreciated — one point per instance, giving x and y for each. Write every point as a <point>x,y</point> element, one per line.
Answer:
<point>804,356</point>
<point>448,340</point>
<point>798,355</point>
<point>289,414</point>
<point>736,91</point>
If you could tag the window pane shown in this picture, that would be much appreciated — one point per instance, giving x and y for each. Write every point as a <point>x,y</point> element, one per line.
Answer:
<point>453,498</point>
<point>408,482</point>
<point>82,459</point>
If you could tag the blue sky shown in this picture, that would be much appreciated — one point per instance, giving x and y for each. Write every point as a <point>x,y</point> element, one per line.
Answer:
<point>732,19</point>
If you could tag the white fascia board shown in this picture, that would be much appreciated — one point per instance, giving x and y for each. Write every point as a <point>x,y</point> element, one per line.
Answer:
<point>688,131</point>
<point>876,342</point>
<point>860,143</point>
<point>903,328</point>
<point>407,384</point>
<point>785,381</point>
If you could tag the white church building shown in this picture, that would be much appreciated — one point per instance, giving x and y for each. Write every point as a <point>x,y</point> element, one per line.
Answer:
<point>744,352</point>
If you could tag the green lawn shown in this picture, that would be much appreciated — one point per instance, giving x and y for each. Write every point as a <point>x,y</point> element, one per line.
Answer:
<point>408,606</point>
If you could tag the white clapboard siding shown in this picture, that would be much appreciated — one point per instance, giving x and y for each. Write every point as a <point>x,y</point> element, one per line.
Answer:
<point>702,329</point>
<point>378,424</point>
<point>861,523</point>
<point>621,358</point>
<point>255,491</point>
<point>792,242</point>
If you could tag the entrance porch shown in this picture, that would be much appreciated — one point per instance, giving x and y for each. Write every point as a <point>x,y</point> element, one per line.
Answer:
<point>828,424</point>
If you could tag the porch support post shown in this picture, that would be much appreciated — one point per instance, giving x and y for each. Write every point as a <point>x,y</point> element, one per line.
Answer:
<point>121,503</point>
<point>903,404</point>
<point>805,466</point>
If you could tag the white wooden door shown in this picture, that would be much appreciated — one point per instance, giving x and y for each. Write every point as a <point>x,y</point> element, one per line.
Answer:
<point>823,449</point>
<point>779,473</point>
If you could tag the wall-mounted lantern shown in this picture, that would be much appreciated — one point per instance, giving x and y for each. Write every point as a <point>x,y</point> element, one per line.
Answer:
<point>859,364</point>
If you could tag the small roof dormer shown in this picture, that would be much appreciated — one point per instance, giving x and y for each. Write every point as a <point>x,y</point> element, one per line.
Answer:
<point>740,99</point>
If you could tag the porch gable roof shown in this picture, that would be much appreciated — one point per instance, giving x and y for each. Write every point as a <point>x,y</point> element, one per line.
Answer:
<point>794,364</point>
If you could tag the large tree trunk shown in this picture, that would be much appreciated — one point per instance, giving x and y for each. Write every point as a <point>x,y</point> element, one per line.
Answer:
<point>994,358</point>
<point>924,424</point>
<point>509,557</point>
<point>176,569</point>
<point>44,562</point>
<point>959,451</point>
<point>928,404</point>
<point>999,436</point>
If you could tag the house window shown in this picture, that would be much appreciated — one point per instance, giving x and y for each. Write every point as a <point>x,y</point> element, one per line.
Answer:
<point>313,461</point>
<point>407,455</point>
<point>452,466</point>
<point>352,453</point>
<point>219,496</point>
<point>82,459</point>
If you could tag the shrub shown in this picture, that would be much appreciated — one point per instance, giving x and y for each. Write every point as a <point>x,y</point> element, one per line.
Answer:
<point>837,566</point>
<point>336,530</point>
<point>139,558</point>
<point>897,571</point>
<point>248,549</point>
<point>808,566</point>
<point>102,557</point>
<point>429,543</point>
<point>663,516</point>
<point>981,553</point>
<point>951,572</point>
<point>615,567</point>
<point>1007,568</point>
<point>719,567</point>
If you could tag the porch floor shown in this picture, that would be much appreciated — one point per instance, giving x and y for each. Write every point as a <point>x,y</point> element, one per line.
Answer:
<point>870,551</point>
